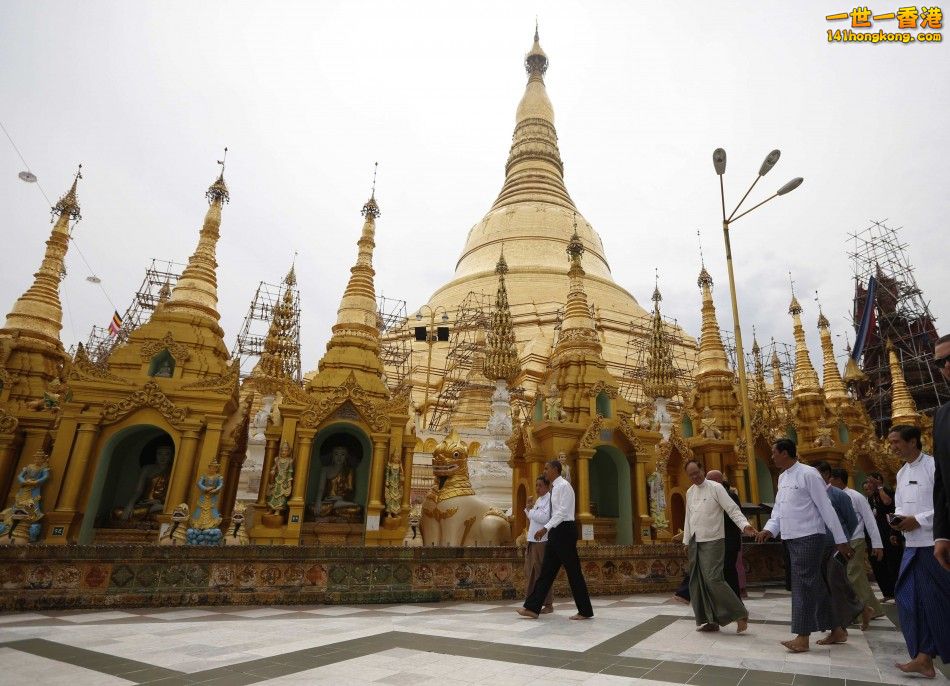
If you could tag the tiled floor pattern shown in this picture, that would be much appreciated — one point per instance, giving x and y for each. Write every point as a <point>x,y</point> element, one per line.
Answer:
<point>642,639</point>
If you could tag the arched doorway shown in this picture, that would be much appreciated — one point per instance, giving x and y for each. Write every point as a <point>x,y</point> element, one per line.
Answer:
<point>338,482</point>
<point>611,496</point>
<point>677,512</point>
<point>130,486</point>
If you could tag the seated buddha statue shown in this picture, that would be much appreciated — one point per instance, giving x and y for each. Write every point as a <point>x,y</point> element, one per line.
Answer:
<point>337,488</point>
<point>148,498</point>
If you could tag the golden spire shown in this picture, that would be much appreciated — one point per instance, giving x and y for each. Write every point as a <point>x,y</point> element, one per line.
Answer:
<point>903,408</point>
<point>852,372</point>
<point>280,347</point>
<point>576,309</point>
<point>534,170</point>
<point>196,291</point>
<point>660,381</point>
<point>834,386</point>
<point>778,385</point>
<point>501,356</point>
<point>164,292</point>
<point>805,379</point>
<point>712,355</point>
<point>38,313</point>
<point>358,305</point>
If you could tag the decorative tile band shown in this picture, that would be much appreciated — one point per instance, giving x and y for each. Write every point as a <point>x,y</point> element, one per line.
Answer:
<point>59,577</point>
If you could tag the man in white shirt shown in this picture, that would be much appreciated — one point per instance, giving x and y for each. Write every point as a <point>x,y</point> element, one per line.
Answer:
<point>856,573</point>
<point>538,513</point>
<point>802,514</point>
<point>714,603</point>
<point>561,549</point>
<point>923,586</point>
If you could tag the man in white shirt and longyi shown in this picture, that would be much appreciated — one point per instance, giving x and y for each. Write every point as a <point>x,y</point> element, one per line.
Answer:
<point>714,603</point>
<point>539,512</point>
<point>802,514</point>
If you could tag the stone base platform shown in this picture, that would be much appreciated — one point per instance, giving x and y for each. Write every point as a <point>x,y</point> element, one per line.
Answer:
<point>121,576</point>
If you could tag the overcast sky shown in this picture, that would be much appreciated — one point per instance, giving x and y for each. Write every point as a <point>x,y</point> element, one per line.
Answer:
<point>308,95</point>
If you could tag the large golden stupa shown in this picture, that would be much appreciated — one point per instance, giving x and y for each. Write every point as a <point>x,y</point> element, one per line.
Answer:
<point>534,218</point>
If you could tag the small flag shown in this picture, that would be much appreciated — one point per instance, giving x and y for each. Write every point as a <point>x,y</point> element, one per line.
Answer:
<point>116,324</point>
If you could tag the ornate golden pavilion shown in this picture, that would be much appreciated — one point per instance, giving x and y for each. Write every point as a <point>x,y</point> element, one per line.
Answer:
<point>124,448</point>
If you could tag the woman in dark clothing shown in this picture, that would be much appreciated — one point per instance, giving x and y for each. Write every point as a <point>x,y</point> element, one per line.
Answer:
<point>881,499</point>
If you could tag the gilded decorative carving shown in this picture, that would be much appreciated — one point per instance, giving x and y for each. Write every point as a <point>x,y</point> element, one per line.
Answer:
<point>373,412</point>
<point>81,368</point>
<point>8,422</point>
<point>592,433</point>
<point>601,387</point>
<point>150,395</point>
<point>151,348</point>
<point>626,428</point>
<point>226,383</point>
<point>439,515</point>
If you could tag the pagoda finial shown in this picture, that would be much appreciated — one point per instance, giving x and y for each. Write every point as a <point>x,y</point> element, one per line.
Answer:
<point>575,247</point>
<point>291,278</point>
<point>69,204</point>
<point>831,377</point>
<point>660,381</point>
<point>358,305</point>
<point>218,191</point>
<point>805,379</point>
<point>712,354</point>
<point>197,289</point>
<point>501,354</point>
<point>903,408</point>
<point>38,313</point>
<point>371,208</point>
<point>536,62</point>
<point>281,347</point>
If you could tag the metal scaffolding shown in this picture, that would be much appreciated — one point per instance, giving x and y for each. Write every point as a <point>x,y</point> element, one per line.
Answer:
<point>250,341</point>
<point>471,316</point>
<point>395,350</point>
<point>902,316</point>
<point>101,342</point>
<point>634,369</point>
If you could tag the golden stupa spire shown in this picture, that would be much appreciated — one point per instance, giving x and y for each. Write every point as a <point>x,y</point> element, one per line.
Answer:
<point>903,408</point>
<point>660,381</point>
<point>576,310</point>
<point>833,385</point>
<point>712,354</point>
<point>534,171</point>
<point>358,304</point>
<point>197,289</point>
<point>778,385</point>
<point>280,347</point>
<point>38,313</point>
<point>501,355</point>
<point>805,379</point>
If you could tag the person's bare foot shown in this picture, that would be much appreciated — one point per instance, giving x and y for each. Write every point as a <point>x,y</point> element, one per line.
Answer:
<point>742,624</point>
<point>837,635</point>
<point>866,617</point>
<point>547,609</point>
<point>797,645</point>
<point>579,616</point>
<point>680,599</point>
<point>922,665</point>
<point>525,612</point>
<point>708,626</point>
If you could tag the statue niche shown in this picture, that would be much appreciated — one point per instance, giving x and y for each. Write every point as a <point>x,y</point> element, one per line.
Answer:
<point>136,507</point>
<point>336,483</point>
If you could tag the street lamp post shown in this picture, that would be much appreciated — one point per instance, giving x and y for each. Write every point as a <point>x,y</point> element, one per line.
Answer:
<point>719,163</point>
<point>431,336</point>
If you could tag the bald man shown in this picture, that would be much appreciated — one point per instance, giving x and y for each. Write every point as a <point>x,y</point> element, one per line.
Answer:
<point>730,569</point>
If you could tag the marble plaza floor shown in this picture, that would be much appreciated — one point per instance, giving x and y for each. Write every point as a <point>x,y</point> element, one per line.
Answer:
<point>640,639</point>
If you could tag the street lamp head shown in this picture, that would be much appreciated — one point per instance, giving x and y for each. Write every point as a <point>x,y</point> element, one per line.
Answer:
<point>445,316</point>
<point>790,186</point>
<point>769,162</point>
<point>419,315</point>
<point>719,161</point>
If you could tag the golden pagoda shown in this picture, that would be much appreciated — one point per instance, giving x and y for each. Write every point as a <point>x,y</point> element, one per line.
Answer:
<point>535,218</point>
<point>580,418</point>
<point>338,463</point>
<point>136,431</point>
<point>903,408</point>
